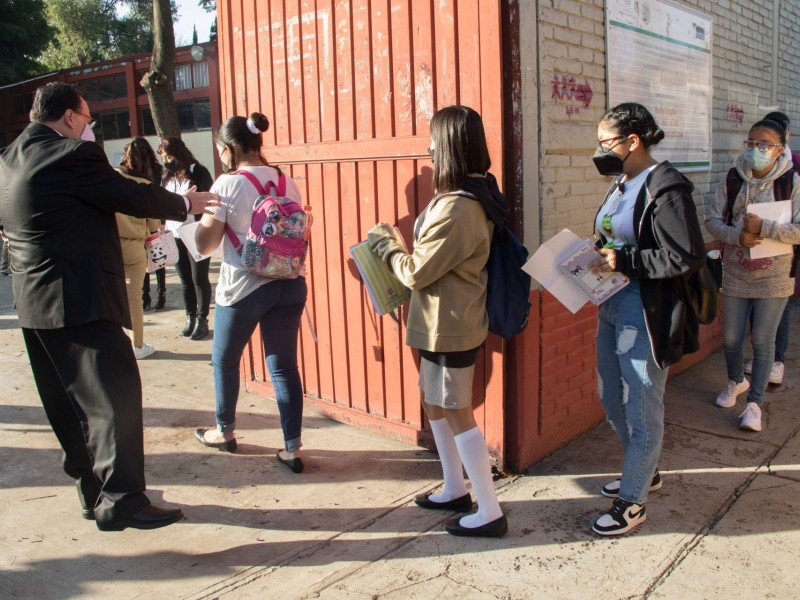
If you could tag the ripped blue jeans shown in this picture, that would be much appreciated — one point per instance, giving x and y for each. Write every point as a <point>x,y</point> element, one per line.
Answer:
<point>631,388</point>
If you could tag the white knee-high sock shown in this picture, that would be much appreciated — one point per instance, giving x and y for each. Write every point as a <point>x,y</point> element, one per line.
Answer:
<point>452,471</point>
<point>475,456</point>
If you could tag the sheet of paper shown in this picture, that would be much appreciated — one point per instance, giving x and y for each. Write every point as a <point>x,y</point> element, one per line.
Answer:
<point>781,212</point>
<point>543,267</point>
<point>186,232</point>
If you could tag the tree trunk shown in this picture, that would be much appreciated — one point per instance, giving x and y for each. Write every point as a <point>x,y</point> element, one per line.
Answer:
<point>158,81</point>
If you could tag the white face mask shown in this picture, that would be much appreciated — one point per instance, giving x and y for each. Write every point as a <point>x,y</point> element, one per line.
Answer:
<point>88,134</point>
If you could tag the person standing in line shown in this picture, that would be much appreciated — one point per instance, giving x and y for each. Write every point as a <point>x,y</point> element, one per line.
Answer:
<point>648,231</point>
<point>58,197</point>
<point>761,286</point>
<point>181,172</point>
<point>139,164</point>
<point>447,320</point>
<point>782,335</point>
<point>244,299</point>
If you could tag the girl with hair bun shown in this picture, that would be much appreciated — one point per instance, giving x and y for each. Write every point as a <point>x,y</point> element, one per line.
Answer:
<point>649,231</point>
<point>244,299</point>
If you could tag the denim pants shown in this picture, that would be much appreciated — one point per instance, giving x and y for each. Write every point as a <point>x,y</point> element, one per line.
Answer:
<point>277,307</point>
<point>631,388</point>
<point>767,313</point>
<point>782,336</point>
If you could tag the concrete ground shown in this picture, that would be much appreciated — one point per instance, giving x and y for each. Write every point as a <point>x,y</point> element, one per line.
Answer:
<point>725,524</point>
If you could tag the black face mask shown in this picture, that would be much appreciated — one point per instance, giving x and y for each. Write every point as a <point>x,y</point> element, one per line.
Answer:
<point>431,151</point>
<point>607,162</point>
<point>170,166</point>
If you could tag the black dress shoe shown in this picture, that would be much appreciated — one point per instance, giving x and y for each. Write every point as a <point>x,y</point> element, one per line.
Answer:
<point>295,464</point>
<point>460,504</point>
<point>226,446</point>
<point>496,528</point>
<point>88,514</point>
<point>150,517</point>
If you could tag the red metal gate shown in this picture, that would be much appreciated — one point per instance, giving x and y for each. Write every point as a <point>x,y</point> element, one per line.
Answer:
<point>349,87</point>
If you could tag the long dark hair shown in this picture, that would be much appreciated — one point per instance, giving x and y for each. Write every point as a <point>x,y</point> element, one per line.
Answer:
<point>138,159</point>
<point>459,147</point>
<point>184,158</point>
<point>632,118</point>
<point>236,135</point>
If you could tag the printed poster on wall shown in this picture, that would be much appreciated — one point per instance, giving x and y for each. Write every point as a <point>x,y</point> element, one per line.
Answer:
<point>659,54</point>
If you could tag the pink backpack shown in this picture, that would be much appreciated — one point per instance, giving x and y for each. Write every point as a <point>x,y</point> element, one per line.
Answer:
<point>275,245</point>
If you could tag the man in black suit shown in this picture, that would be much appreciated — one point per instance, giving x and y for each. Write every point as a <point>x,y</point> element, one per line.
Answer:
<point>58,196</point>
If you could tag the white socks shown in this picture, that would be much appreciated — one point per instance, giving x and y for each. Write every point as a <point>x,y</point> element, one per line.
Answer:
<point>452,471</point>
<point>475,456</point>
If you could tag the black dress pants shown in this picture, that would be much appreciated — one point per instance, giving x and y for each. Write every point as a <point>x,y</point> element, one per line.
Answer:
<point>90,388</point>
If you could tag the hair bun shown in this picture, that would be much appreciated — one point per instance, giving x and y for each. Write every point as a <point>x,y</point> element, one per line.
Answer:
<point>260,121</point>
<point>657,135</point>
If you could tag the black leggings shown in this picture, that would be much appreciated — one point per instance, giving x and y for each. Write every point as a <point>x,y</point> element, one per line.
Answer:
<point>195,285</point>
<point>161,281</point>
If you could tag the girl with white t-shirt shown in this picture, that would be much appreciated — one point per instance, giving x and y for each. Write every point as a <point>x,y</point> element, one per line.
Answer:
<point>244,299</point>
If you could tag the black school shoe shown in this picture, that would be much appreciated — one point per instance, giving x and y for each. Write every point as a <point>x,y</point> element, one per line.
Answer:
<point>496,529</point>
<point>460,504</point>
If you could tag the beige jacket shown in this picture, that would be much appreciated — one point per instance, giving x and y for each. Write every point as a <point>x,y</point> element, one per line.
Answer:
<point>133,231</point>
<point>446,273</point>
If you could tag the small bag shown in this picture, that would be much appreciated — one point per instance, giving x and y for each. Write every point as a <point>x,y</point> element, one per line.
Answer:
<point>276,242</point>
<point>705,287</point>
<point>161,251</point>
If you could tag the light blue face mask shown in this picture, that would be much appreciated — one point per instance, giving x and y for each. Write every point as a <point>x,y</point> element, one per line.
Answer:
<point>758,160</point>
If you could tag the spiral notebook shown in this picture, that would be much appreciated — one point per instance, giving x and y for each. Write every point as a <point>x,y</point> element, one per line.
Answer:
<point>384,289</point>
<point>561,265</point>
<point>597,287</point>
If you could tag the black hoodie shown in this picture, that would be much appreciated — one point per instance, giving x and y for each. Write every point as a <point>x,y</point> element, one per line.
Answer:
<point>669,247</point>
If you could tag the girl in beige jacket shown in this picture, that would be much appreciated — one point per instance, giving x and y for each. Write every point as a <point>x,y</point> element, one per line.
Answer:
<point>138,163</point>
<point>447,319</point>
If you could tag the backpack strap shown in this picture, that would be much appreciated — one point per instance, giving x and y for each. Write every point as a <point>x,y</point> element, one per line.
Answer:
<point>733,183</point>
<point>234,239</point>
<point>782,189</point>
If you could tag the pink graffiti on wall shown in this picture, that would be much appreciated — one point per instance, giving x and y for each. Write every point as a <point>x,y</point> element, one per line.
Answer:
<point>734,113</point>
<point>575,95</point>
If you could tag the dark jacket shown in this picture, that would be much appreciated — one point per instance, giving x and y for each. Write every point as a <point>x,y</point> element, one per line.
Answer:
<point>58,197</point>
<point>669,248</point>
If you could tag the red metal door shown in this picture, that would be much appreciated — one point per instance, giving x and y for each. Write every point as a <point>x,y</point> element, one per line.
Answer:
<point>349,87</point>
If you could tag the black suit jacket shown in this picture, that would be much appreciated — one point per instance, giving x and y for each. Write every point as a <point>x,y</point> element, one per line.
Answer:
<point>58,197</point>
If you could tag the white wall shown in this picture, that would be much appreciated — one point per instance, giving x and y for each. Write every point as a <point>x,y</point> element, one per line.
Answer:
<point>201,143</point>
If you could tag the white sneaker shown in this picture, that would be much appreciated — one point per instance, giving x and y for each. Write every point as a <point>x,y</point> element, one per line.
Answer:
<point>748,367</point>
<point>727,397</point>
<point>776,375</point>
<point>143,352</point>
<point>751,417</point>
<point>611,490</point>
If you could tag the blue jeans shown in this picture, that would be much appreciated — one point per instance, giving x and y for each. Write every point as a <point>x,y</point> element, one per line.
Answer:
<point>631,388</point>
<point>767,314</point>
<point>782,337</point>
<point>277,307</point>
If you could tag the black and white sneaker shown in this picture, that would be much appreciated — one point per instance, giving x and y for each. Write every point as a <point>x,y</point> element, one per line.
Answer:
<point>622,517</point>
<point>612,489</point>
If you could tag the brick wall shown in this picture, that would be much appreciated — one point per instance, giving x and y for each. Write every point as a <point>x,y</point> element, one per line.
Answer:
<point>570,68</point>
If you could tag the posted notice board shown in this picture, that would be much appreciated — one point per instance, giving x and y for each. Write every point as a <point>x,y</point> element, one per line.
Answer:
<point>659,54</point>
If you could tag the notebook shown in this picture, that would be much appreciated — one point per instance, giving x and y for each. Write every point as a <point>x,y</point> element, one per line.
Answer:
<point>384,289</point>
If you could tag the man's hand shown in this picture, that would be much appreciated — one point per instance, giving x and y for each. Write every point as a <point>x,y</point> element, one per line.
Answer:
<point>201,202</point>
<point>749,240</point>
